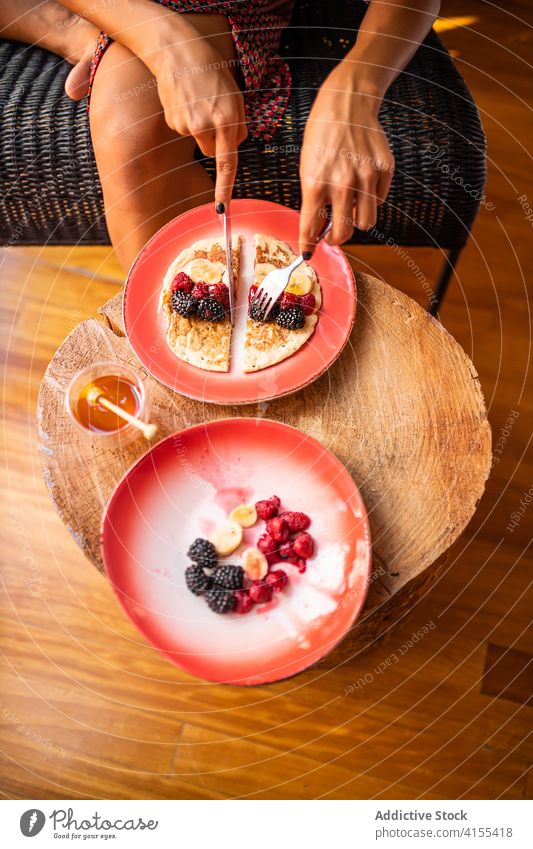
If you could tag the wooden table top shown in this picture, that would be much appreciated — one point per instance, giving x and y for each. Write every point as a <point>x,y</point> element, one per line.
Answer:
<point>402,408</point>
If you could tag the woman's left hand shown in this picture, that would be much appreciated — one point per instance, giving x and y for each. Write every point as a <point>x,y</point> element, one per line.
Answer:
<point>345,162</point>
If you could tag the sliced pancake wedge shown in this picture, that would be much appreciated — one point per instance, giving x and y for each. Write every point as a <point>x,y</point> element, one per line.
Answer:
<point>268,343</point>
<point>202,343</point>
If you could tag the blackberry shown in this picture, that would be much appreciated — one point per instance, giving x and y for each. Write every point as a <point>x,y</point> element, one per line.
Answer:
<point>183,303</point>
<point>229,577</point>
<point>256,313</point>
<point>196,579</point>
<point>203,553</point>
<point>220,600</point>
<point>292,318</point>
<point>210,309</point>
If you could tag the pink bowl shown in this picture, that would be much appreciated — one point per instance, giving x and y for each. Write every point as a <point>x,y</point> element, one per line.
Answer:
<point>187,484</point>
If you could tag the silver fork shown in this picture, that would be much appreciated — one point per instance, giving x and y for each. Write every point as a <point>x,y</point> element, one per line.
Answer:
<point>275,282</point>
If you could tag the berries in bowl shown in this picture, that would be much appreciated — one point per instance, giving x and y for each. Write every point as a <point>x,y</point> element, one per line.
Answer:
<point>284,541</point>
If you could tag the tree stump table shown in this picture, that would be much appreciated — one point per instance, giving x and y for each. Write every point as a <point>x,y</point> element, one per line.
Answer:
<point>402,408</point>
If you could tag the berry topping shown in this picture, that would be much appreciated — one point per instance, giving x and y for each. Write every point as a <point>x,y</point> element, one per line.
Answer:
<point>308,303</point>
<point>220,601</point>
<point>277,580</point>
<point>278,529</point>
<point>243,602</point>
<point>211,310</point>
<point>269,508</point>
<point>183,303</point>
<point>220,293</point>
<point>292,318</point>
<point>196,579</point>
<point>181,282</point>
<point>296,521</point>
<point>260,592</point>
<point>229,577</point>
<point>255,564</point>
<point>200,290</point>
<point>256,313</point>
<point>252,293</point>
<point>203,553</point>
<point>304,545</point>
<point>286,551</point>
<point>288,300</point>
<point>267,545</point>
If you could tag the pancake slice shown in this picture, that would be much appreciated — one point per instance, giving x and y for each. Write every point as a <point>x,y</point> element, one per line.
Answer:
<point>267,343</point>
<point>205,344</point>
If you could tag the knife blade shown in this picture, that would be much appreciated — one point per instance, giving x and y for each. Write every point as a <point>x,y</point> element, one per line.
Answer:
<point>229,264</point>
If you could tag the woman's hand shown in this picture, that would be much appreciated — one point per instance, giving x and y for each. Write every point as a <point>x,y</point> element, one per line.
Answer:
<point>201,98</point>
<point>346,162</point>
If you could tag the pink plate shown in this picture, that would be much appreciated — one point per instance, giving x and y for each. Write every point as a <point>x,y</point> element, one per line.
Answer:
<point>186,485</point>
<point>146,326</point>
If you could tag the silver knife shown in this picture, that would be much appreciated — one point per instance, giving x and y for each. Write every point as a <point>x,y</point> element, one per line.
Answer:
<point>229,264</point>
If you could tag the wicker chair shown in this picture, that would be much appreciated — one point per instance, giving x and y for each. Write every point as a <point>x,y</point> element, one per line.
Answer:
<point>50,192</point>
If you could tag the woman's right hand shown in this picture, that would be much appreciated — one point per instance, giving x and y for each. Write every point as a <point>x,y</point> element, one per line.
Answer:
<point>201,98</point>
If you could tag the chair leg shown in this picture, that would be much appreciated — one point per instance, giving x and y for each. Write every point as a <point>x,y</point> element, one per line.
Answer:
<point>447,268</point>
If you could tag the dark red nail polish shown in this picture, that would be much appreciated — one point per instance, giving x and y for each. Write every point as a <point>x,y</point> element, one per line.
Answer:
<point>307,255</point>
<point>220,208</point>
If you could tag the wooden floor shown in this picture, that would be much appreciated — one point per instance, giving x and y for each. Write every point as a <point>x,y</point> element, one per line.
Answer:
<point>88,710</point>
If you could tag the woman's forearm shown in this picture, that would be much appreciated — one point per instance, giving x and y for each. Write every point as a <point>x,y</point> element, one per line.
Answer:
<point>390,33</point>
<point>46,23</point>
<point>146,28</point>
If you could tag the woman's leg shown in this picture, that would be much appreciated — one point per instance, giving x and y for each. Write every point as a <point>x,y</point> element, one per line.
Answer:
<point>148,172</point>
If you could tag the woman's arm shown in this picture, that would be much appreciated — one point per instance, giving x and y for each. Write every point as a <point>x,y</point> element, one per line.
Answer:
<point>206,104</point>
<point>346,160</point>
<point>48,24</point>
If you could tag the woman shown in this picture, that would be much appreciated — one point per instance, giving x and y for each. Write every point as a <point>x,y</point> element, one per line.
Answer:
<point>163,84</point>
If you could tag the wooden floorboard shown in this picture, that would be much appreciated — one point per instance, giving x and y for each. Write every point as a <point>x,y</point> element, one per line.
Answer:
<point>87,709</point>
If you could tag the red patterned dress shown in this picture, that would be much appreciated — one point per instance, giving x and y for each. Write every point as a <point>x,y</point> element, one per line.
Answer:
<point>256,27</point>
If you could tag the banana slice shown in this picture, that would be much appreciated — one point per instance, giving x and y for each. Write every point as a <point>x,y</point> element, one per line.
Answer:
<point>254,564</point>
<point>204,271</point>
<point>245,515</point>
<point>301,282</point>
<point>261,270</point>
<point>226,538</point>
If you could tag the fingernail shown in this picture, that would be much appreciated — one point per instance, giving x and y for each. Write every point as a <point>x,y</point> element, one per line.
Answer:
<point>307,255</point>
<point>219,207</point>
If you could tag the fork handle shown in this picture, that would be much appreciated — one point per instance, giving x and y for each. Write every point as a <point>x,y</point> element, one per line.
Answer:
<point>324,232</point>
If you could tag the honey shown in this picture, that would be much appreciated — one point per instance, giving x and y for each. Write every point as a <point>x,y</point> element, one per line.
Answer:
<point>121,391</point>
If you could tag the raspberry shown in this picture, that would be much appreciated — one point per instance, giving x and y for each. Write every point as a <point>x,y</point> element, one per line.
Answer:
<point>252,293</point>
<point>296,521</point>
<point>267,545</point>
<point>278,529</point>
<point>269,508</point>
<point>260,592</point>
<point>289,300</point>
<point>304,545</point>
<point>277,580</point>
<point>200,290</point>
<point>181,281</point>
<point>308,303</point>
<point>220,293</point>
<point>286,551</point>
<point>244,602</point>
